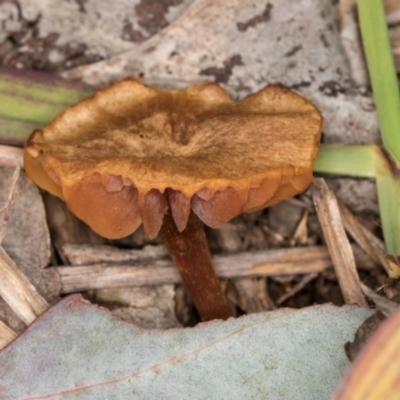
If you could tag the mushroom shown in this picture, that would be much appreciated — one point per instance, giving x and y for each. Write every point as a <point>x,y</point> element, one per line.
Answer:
<point>174,160</point>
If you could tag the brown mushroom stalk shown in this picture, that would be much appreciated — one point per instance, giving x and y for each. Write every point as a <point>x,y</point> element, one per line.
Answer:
<point>173,160</point>
<point>190,253</point>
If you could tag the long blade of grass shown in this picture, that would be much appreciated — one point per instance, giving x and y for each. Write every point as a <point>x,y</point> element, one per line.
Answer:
<point>359,160</point>
<point>382,72</point>
<point>385,87</point>
<point>36,96</point>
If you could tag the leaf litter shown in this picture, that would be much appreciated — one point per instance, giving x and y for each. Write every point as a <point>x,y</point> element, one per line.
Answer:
<point>81,361</point>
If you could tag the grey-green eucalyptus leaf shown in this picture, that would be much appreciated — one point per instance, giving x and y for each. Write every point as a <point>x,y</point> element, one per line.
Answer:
<point>78,351</point>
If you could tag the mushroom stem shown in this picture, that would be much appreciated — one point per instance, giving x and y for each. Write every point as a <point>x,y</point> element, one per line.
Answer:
<point>190,252</point>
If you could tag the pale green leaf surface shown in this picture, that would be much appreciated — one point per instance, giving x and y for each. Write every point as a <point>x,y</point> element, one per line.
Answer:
<point>78,351</point>
<point>357,160</point>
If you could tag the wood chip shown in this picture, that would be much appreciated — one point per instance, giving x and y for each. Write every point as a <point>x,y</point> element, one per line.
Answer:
<point>6,335</point>
<point>338,244</point>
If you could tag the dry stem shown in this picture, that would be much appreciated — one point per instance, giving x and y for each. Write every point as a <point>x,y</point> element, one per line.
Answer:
<point>302,260</point>
<point>18,292</point>
<point>338,243</point>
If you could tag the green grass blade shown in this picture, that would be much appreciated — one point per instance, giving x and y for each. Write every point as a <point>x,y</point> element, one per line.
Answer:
<point>382,72</point>
<point>36,96</point>
<point>28,108</point>
<point>389,206</point>
<point>358,160</point>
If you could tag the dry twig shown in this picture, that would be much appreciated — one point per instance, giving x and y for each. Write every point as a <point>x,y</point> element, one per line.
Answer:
<point>18,292</point>
<point>338,243</point>
<point>365,239</point>
<point>302,260</point>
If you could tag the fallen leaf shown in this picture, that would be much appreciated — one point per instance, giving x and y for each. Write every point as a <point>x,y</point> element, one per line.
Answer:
<point>79,351</point>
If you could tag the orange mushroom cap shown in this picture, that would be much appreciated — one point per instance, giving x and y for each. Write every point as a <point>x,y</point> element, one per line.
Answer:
<point>121,157</point>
